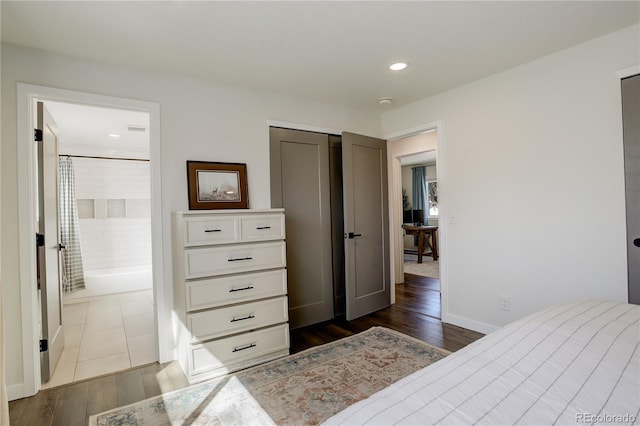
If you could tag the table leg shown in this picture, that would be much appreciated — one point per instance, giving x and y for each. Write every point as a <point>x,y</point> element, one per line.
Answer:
<point>420,245</point>
<point>434,244</point>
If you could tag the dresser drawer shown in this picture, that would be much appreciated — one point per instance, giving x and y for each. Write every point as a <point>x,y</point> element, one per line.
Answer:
<point>232,351</point>
<point>211,230</point>
<point>203,262</point>
<point>212,292</point>
<point>237,318</point>
<point>262,227</point>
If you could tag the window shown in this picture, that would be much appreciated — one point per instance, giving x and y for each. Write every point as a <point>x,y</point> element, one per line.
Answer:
<point>432,195</point>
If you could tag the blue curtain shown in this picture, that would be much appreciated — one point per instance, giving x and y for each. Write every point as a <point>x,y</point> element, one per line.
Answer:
<point>72,270</point>
<point>420,189</point>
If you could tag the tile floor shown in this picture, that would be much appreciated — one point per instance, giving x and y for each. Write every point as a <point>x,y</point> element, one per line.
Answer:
<point>104,335</point>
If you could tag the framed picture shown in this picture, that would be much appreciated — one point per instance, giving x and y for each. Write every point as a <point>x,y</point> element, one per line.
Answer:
<point>217,185</point>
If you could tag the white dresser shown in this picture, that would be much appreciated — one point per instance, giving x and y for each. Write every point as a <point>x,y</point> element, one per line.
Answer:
<point>230,289</point>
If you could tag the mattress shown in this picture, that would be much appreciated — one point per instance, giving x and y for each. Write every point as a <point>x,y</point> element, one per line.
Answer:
<point>571,364</point>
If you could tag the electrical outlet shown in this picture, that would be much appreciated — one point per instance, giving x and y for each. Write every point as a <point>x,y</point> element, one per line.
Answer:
<point>505,303</point>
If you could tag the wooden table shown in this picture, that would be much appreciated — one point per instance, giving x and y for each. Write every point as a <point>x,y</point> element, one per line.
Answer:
<point>431,240</point>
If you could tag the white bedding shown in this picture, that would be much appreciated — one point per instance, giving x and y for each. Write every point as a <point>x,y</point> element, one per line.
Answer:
<point>572,364</point>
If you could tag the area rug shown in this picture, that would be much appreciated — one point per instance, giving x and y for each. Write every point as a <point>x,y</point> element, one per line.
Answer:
<point>302,389</point>
<point>428,267</point>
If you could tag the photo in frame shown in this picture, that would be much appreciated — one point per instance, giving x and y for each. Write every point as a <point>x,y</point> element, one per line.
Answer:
<point>217,185</point>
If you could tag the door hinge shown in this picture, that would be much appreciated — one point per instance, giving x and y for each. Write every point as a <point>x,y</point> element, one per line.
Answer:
<point>39,240</point>
<point>37,135</point>
<point>44,345</point>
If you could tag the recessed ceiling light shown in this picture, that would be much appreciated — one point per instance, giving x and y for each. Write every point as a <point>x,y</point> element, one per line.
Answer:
<point>398,66</point>
<point>385,101</point>
<point>114,135</point>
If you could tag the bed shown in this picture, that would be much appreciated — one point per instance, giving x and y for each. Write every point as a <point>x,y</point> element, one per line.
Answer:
<point>571,364</point>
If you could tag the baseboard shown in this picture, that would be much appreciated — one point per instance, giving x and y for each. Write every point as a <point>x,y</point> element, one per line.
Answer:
<point>469,324</point>
<point>15,392</point>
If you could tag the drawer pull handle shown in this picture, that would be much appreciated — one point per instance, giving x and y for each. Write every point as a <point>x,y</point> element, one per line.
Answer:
<point>251,316</point>
<point>263,227</point>
<point>242,348</point>
<point>242,289</point>
<point>213,230</point>
<point>239,258</point>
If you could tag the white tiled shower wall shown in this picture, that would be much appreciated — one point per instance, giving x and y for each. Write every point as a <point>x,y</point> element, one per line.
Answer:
<point>114,206</point>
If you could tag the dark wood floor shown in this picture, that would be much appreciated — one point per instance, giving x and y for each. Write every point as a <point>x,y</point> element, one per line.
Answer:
<point>71,405</point>
<point>416,313</point>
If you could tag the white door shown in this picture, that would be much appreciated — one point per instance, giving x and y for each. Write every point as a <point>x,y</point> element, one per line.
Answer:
<point>48,252</point>
<point>366,224</point>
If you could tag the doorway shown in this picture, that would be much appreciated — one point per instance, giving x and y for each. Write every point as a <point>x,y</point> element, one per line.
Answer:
<point>105,227</point>
<point>414,159</point>
<point>28,96</point>
<point>420,208</point>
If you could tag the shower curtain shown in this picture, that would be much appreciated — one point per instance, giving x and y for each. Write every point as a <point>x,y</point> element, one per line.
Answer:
<point>72,271</point>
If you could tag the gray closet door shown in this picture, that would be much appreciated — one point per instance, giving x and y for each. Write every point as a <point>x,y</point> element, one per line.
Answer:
<point>631,126</point>
<point>300,184</point>
<point>366,224</point>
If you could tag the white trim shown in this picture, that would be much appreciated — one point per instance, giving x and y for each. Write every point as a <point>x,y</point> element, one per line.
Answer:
<point>469,324</point>
<point>628,72</point>
<point>425,128</point>
<point>15,391</point>
<point>443,231</point>
<point>26,248</point>
<point>305,127</point>
<point>27,94</point>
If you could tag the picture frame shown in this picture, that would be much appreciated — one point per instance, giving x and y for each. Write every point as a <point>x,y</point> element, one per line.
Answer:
<point>217,185</point>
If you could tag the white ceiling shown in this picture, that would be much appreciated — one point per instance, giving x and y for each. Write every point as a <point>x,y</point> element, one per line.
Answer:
<point>334,52</point>
<point>88,130</point>
<point>426,157</point>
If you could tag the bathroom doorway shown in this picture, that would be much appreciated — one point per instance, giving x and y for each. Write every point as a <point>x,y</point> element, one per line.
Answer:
<point>104,203</point>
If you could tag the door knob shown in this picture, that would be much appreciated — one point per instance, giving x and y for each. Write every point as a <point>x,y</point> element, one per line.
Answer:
<point>636,242</point>
<point>352,235</point>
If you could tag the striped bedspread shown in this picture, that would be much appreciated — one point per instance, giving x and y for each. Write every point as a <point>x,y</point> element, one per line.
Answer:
<point>572,364</point>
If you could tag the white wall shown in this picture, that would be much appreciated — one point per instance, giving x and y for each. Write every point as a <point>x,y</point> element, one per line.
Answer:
<point>199,121</point>
<point>533,157</point>
<point>4,409</point>
<point>533,204</point>
<point>111,240</point>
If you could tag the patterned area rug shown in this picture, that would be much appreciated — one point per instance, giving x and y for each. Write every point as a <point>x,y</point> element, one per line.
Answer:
<point>302,389</point>
<point>428,268</point>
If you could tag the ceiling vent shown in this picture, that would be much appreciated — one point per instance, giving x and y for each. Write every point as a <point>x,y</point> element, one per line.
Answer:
<point>135,128</point>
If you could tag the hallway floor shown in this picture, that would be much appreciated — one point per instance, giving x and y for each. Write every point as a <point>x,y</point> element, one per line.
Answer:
<point>428,267</point>
<point>105,335</point>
